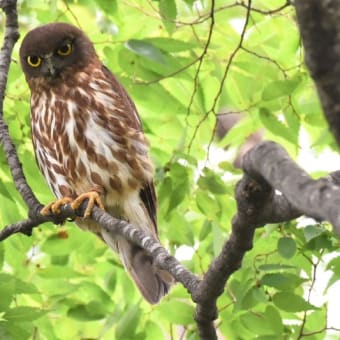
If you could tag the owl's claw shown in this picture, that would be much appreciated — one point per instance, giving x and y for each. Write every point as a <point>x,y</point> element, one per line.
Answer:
<point>54,207</point>
<point>92,197</point>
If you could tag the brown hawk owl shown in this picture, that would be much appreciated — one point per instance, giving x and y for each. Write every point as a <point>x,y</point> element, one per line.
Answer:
<point>89,142</point>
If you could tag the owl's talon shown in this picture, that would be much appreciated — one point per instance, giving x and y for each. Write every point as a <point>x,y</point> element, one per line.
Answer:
<point>54,207</point>
<point>92,197</point>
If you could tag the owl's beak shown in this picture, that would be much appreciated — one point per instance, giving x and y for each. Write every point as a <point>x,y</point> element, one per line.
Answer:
<point>50,66</point>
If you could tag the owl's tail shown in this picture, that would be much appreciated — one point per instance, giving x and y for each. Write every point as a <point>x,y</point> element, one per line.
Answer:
<point>152,282</point>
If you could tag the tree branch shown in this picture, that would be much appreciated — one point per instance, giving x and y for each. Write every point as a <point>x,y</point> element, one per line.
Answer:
<point>320,30</point>
<point>269,164</point>
<point>11,37</point>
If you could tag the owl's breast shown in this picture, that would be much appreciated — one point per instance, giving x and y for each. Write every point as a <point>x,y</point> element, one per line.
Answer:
<point>82,141</point>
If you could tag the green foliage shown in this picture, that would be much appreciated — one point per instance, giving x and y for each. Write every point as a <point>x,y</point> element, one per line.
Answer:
<point>63,283</point>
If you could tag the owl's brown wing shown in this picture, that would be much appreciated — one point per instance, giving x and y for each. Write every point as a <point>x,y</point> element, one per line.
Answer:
<point>134,120</point>
<point>147,193</point>
<point>148,196</point>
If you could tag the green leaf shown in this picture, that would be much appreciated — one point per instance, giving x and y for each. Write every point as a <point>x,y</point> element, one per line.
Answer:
<point>218,239</point>
<point>322,241</point>
<point>263,325</point>
<point>207,205</point>
<point>212,182</point>
<point>22,287</point>
<point>126,327</point>
<point>4,333</point>
<point>189,2</point>
<point>286,247</point>
<point>205,230</point>
<point>274,319</point>
<point>290,302</point>
<point>88,312</point>
<point>111,280</point>
<point>312,231</point>
<point>15,331</point>
<point>109,7</point>
<point>2,254</point>
<point>23,314</point>
<point>170,45</point>
<point>282,281</point>
<point>280,88</point>
<point>145,49</point>
<point>177,312</point>
<point>180,185</point>
<point>254,296</point>
<point>56,272</point>
<point>7,289</point>
<point>168,11</point>
<point>154,331</point>
<point>275,267</point>
<point>90,291</point>
<point>275,126</point>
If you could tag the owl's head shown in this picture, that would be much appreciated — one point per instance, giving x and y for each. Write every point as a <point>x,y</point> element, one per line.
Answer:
<point>49,51</point>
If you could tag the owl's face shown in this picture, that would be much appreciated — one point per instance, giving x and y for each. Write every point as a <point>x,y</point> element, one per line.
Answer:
<point>52,50</point>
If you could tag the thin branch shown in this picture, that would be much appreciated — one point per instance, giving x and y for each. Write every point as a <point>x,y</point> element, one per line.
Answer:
<point>201,58</point>
<point>304,318</point>
<point>224,77</point>
<point>257,55</point>
<point>114,226</point>
<point>269,12</point>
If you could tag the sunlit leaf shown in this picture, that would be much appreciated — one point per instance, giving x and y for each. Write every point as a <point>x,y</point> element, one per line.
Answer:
<point>2,254</point>
<point>94,310</point>
<point>168,12</point>
<point>7,290</point>
<point>23,314</point>
<point>108,7</point>
<point>127,325</point>
<point>275,267</point>
<point>290,302</point>
<point>177,312</point>
<point>280,88</point>
<point>282,281</point>
<point>145,49</point>
<point>274,125</point>
<point>312,231</point>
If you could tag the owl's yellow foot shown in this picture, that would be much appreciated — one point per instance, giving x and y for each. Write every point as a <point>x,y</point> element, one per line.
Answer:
<point>54,207</point>
<point>93,198</point>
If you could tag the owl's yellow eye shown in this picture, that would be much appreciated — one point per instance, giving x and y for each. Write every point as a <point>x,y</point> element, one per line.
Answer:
<point>65,49</point>
<point>34,61</point>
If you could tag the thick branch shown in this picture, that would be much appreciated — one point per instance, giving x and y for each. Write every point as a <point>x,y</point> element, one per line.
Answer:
<point>319,23</point>
<point>250,199</point>
<point>11,36</point>
<point>269,164</point>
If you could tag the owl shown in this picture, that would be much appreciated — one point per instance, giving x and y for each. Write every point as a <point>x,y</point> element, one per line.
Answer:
<point>89,143</point>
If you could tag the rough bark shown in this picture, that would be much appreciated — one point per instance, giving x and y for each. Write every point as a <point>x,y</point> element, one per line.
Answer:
<point>319,23</point>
